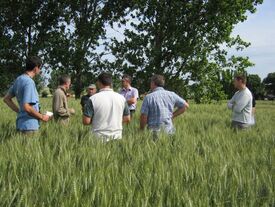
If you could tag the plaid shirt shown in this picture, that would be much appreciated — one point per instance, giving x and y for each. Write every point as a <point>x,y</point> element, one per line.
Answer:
<point>159,106</point>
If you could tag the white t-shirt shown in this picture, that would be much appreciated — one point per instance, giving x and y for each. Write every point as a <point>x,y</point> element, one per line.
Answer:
<point>107,109</point>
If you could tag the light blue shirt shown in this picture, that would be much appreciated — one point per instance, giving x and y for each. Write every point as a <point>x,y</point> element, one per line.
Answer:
<point>25,92</point>
<point>159,107</point>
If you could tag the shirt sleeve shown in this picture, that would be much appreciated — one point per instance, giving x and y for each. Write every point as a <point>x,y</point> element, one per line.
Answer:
<point>83,101</point>
<point>230,103</point>
<point>145,106</point>
<point>136,95</point>
<point>126,111</point>
<point>88,109</point>
<point>179,102</point>
<point>30,95</point>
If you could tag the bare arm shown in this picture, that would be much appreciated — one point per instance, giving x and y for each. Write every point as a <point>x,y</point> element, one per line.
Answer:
<point>132,100</point>
<point>181,110</point>
<point>126,119</point>
<point>8,100</point>
<point>30,110</point>
<point>143,121</point>
<point>86,120</point>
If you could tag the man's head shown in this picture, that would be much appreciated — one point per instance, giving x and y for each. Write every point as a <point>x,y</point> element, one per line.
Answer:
<point>157,81</point>
<point>65,81</point>
<point>126,81</point>
<point>104,80</point>
<point>240,82</point>
<point>33,64</point>
<point>91,90</point>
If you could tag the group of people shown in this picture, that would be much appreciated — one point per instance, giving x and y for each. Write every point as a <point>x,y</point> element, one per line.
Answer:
<point>106,110</point>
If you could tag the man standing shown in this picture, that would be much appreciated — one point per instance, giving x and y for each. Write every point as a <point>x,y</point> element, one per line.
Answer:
<point>91,90</point>
<point>157,109</point>
<point>106,110</point>
<point>130,93</point>
<point>241,104</point>
<point>24,90</point>
<point>60,107</point>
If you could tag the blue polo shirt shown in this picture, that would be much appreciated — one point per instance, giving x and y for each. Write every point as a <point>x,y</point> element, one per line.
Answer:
<point>25,92</point>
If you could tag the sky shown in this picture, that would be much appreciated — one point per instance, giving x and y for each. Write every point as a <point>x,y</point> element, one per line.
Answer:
<point>259,30</point>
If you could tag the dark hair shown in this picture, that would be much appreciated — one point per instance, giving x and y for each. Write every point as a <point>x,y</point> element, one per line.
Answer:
<point>32,62</point>
<point>241,78</point>
<point>63,79</point>
<point>105,79</point>
<point>128,77</point>
<point>158,80</point>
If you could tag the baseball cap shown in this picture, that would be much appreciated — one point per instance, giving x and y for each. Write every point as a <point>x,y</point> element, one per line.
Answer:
<point>92,86</point>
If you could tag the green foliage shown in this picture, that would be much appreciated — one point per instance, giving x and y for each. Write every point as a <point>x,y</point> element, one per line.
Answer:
<point>45,92</point>
<point>204,164</point>
<point>181,39</point>
<point>269,82</point>
<point>254,83</point>
<point>25,28</point>
<point>74,46</point>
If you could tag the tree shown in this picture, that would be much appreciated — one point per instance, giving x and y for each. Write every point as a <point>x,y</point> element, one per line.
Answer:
<point>24,30</point>
<point>182,40</point>
<point>269,83</point>
<point>75,46</point>
<point>254,83</point>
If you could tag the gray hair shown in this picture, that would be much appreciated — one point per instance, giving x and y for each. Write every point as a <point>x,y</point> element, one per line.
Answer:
<point>158,80</point>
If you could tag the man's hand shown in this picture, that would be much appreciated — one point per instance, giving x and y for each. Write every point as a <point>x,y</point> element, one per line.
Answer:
<point>132,100</point>
<point>126,119</point>
<point>86,120</point>
<point>45,118</point>
<point>72,111</point>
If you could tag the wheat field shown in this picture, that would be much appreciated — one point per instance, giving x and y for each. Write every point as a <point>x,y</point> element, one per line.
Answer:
<point>204,164</point>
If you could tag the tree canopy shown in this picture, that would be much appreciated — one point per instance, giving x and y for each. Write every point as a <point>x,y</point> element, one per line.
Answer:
<point>184,40</point>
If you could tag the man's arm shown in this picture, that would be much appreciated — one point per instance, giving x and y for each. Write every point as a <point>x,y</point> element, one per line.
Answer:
<point>180,110</point>
<point>143,121</point>
<point>126,119</point>
<point>241,103</point>
<point>144,113</point>
<point>126,114</point>
<point>231,103</point>
<point>86,120</point>
<point>8,100</point>
<point>132,100</point>
<point>88,113</point>
<point>181,105</point>
<point>30,110</point>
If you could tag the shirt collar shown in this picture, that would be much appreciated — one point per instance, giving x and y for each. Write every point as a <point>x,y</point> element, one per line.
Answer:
<point>158,89</point>
<point>106,89</point>
<point>127,89</point>
<point>62,88</point>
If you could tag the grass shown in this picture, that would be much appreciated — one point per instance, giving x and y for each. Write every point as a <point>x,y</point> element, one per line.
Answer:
<point>204,164</point>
